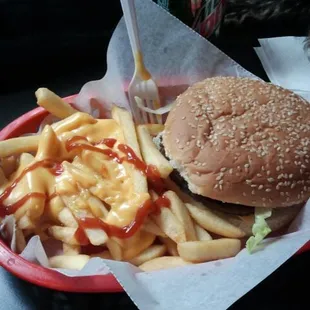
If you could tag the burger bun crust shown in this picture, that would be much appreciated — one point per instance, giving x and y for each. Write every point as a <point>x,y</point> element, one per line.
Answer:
<point>241,141</point>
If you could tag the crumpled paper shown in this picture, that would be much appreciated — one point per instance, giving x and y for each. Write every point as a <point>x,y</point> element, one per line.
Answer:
<point>286,63</point>
<point>177,57</point>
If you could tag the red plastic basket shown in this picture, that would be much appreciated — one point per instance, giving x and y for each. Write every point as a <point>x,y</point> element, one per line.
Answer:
<point>41,276</point>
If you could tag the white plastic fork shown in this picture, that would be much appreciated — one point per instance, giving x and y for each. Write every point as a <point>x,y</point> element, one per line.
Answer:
<point>142,91</point>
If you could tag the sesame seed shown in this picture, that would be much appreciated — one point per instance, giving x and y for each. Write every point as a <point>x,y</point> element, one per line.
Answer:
<point>270,180</point>
<point>260,187</point>
<point>268,190</point>
<point>221,182</point>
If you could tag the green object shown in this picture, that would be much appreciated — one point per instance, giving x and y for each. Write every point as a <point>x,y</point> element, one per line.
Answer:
<point>260,228</point>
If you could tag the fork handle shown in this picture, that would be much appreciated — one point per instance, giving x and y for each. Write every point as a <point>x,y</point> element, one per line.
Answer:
<point>129,11</point>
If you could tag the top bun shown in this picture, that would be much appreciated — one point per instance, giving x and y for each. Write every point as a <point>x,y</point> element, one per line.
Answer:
<point>241,141</point>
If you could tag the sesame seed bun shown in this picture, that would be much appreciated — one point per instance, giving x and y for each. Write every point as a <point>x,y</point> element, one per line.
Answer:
<point>241,141</point>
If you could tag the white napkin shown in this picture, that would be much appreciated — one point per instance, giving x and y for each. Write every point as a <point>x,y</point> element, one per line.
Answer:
<point>286,63</point>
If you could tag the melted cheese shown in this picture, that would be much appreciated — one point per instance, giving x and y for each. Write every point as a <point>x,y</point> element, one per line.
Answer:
<point>86,174</point>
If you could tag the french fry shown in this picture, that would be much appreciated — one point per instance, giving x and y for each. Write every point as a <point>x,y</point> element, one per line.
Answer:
<point>164,262</point>
<point>54,207</point>
<point>125,121</point>
<point>202,234</point>
<point>150,253</point>
<point>96,236</point>
<point>8,165</point>
<point>97,207</point>
<point>49,146</point>
<point>19,145</point>
<point>64,234</point>
<point>33,207</point>
<point>180,211</point>
<point>65,186</point>
<point>66,218</point>
<point>25,222</point>
<point>20,240</point>
<point>3,178</point>
<point>69,249</point>
<point>53,103</point>
<point>74,262</point>
<point>151,154</point>
<point>105,255</point>
<point>213,223</point>
<point>153,228</point>
<point>85,179</point>
<point>203,251</point>
<point>29,144</point>
<point>145,241</point>
<point>170,225</point>
<point>172,248</point>
<point>72,122</point>
<point>154,129</point>
<point>115,249</point>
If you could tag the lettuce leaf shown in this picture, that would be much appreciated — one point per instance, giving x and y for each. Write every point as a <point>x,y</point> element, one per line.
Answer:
<point>260,228</point>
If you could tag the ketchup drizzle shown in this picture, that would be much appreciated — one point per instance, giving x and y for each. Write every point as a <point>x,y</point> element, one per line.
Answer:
<point>54,168</point>
<point>109,142</point>
<point>151,173</point>
<point>12,208</point>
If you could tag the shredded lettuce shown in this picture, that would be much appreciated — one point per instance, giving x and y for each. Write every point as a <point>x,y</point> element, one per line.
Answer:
<point>260,228</point>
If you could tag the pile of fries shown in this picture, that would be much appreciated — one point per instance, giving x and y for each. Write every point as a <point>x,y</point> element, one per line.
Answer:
<point>51,185</point>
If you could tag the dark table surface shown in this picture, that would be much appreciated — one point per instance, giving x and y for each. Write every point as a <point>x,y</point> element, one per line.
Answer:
<point>45,43</point>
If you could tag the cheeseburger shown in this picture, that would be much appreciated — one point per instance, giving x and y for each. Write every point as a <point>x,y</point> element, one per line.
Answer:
<point>241,147</point>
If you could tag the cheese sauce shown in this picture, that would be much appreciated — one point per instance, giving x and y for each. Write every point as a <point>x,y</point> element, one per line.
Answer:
<point>92,161</point>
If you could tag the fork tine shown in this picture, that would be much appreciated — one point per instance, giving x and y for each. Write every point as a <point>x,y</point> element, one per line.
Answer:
<point>147,101</point>
<point>134,108</point>
<point>149,104</point>
<point>142,114</point>
<point>158,116</point>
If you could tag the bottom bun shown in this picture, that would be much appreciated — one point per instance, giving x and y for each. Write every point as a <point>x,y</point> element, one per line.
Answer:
<point>280,218</point>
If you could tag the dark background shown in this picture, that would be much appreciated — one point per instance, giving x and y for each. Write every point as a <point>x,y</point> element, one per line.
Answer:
<point>46,43</point>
